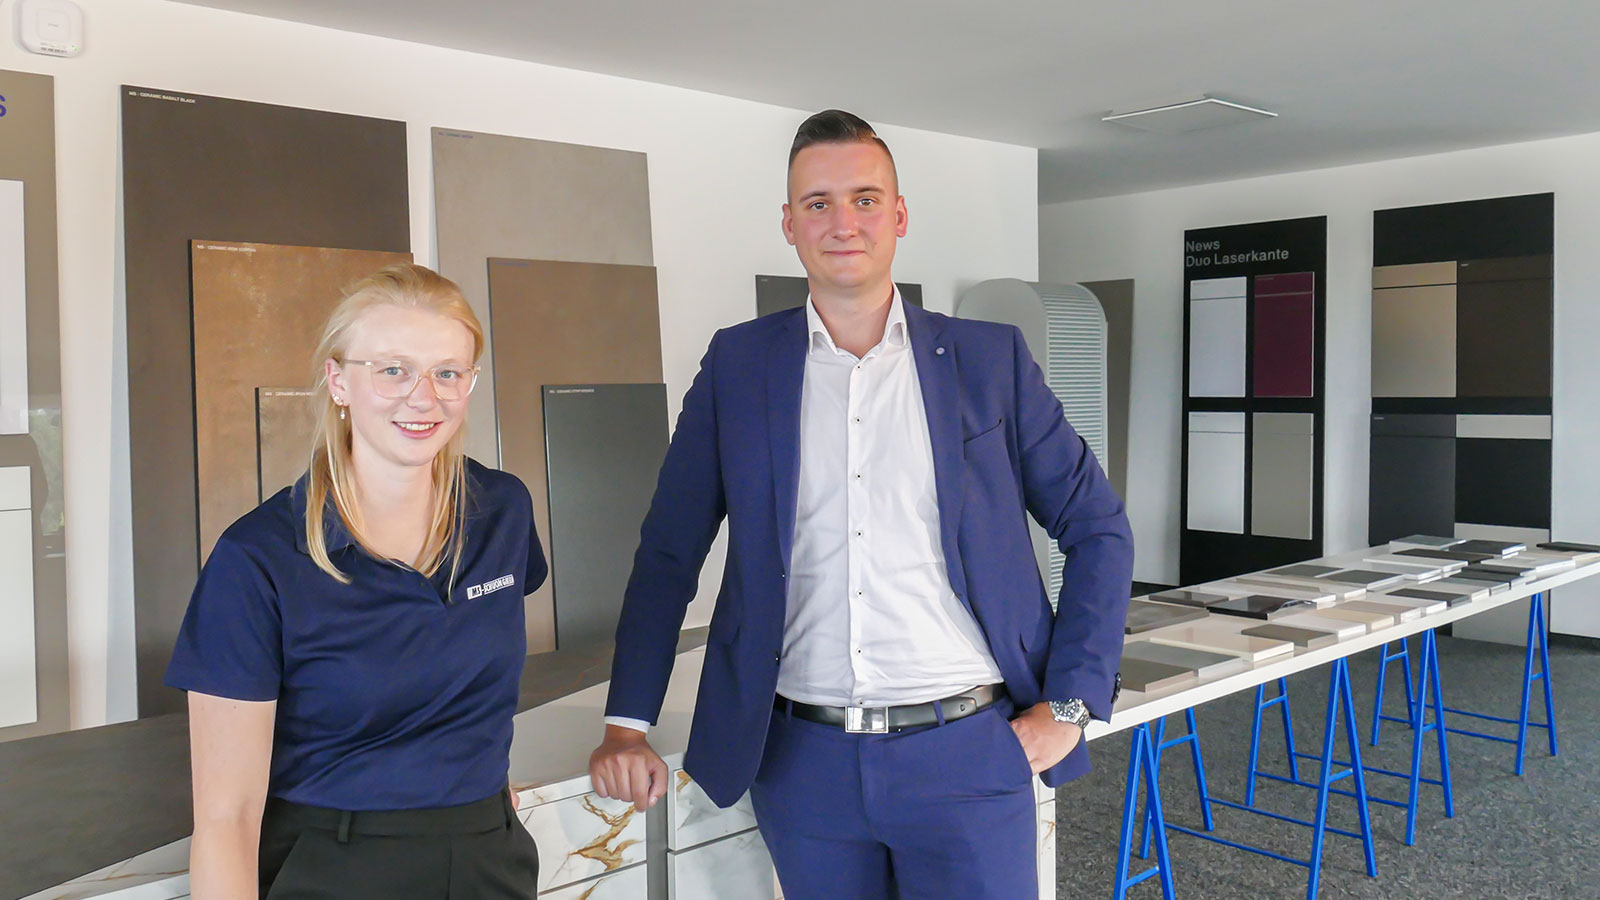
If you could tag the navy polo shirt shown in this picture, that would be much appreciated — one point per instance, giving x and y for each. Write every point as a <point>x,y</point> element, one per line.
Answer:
<point>395,691</point>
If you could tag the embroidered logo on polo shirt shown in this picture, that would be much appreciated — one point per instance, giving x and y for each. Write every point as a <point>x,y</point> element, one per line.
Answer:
<point>489,587</point>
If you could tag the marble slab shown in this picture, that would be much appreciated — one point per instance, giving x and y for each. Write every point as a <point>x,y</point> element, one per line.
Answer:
<point>632,883</point>
<point>693,819</point>
<point>160,874</point>
<point>735,868</point>
<point>583,837</point>
<point>1046,850</point>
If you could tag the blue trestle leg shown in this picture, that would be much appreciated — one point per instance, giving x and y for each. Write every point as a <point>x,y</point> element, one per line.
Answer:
<point>1282,702</point>
<point>1538,643</point>
<point>1142,768</point>
<point>1192,738</point>
<point>1385,657</point>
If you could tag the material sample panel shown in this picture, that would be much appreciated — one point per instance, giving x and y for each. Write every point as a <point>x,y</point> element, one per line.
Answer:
<point>519,198</point>
<point>1216,472</point>
<point>198,168</point>
<point>1281,470</point>
<point>1414,342</point>
<point>1285,336</point>
<point>776,293</point>
<point>1217,347</point>
<point>13,310</point>
<point>605,445</point>
<point>1505,342</point>
<point>19,697</point>
<point>1413,477</point>
<point>564,323</point>
<point>259,310</point>
<point>286,419</point>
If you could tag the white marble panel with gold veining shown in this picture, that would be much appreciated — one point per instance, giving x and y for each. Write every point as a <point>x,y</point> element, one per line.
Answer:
<point>583,837</point>
<point>628,884</point>
<point>160,874</point>
<point>693,819</point>
<point>734,868</point>
<point>1047,850</point>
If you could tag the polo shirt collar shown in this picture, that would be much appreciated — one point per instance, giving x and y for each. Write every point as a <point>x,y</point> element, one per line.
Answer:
<point>334,533</point>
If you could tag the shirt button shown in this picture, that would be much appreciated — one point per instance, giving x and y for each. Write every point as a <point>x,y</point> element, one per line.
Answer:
<point>858,476</point>
<point>859,593</point>
<point>858,420</point>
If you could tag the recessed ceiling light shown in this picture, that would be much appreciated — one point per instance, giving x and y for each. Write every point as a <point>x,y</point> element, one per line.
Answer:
<point>1191,115</point>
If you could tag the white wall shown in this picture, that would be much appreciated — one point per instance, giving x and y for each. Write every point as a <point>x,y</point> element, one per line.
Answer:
<point>1140,236</point>
<point>716,179</point>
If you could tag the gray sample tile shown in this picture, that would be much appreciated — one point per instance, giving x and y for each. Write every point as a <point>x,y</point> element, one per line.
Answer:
<point>1204,663</point>
<point>1145,676</point>
<point>1302,570</point>
<point>1490,547</point>
<point>1307,638</point>
<point>1446,597</point>
<point>1188,598</point>
<point>605,444</point>
<point>1282,463</point>
<point>512,197</point>
<point>1414,342</point>
<point>1535,428</point>
<point>1370,579</point>
<point>1216,472</point>
<point>1428,540</point>
<point>1414,275</point>
<point>196,167</point>
<point>1144,616</point>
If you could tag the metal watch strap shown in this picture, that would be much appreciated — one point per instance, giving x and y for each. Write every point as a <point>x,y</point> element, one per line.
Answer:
<point>1073,710</point>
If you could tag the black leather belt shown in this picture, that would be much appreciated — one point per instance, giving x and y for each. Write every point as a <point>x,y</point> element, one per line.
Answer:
<point>884,719</point>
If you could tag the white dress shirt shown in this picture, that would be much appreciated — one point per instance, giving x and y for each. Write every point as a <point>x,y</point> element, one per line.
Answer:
<point>871,618</point>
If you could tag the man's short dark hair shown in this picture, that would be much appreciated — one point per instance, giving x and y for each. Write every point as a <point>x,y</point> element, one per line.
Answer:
<point>834,126</point>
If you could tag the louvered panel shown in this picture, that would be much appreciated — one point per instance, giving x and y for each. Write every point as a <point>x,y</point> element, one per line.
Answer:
<point>1075,327</point>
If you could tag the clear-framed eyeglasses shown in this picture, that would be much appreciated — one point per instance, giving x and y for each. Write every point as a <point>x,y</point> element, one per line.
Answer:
<point>395,379</point>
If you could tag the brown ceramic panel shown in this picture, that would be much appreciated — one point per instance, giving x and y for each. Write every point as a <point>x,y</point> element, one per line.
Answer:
<point>28,155</point>
<point>203,168</point>
<point>1505,338</point>
<point>258,314</point>
<point>563,323</point>
<point>1414,342</point>
<point>286,419</point>
<point>498,196</point>
<point>1506,268</point>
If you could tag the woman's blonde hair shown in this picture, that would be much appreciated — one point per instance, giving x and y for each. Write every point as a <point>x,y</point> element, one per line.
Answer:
<point>408,286</point>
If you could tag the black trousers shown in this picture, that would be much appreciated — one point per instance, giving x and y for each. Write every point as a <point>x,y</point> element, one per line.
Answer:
<point>479,851</point>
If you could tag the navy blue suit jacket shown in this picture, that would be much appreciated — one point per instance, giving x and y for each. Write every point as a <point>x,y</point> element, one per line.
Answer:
<point>1002,450</point>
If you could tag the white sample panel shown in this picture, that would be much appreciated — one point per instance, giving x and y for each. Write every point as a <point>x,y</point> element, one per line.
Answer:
<point>1216,472</point>
<point>693,819</point>
<point>19,695</point>
<point>1217,337</point>
<point>628,884</point>
<point>583,837</point>
<point>1047,850</point>
<point>735,868</point>
<point>13,312</point>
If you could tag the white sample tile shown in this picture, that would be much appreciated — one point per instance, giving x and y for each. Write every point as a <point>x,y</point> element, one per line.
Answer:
<point>1368,618</point>
<point>1343,628</point>
<point>1220,638</point>
<point>19,695</point>
<point>1216,288</point>
<point>693,819</point>
<point>1216,472</point>
<point>734,868</point>
<point>583,837</point>
<point>13,312</point>
<point>16,488</point>
<point>632,883</point>
<point>1217,347</point>
<point>1047,850</point>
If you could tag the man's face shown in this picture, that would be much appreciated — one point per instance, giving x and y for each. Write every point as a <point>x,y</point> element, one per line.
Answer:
<point>844,213</point>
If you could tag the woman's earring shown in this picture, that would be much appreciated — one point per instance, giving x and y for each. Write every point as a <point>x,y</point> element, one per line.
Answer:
<point>339,403</point>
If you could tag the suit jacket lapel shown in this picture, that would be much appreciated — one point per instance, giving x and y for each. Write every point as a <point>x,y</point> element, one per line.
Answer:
<point>941,398</point>
<point>785,380</point>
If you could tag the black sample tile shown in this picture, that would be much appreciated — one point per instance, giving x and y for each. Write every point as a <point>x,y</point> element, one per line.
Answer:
<point>1504,338</point>
<point>1491,548</point>
<point>1420,594</point>
<point>1454,555</point>
<point>1188,598</point>
<point>1412,477</point>
<point>1506,268</point>
<point>1503,482</point>
<point>1570,547</point>
<point>1432,541</point>
<point>1470,230</point>
<point>604,447</point>
<point>1261,606</point>
<point>1478,573</point>
<point>1306,638</point>
<point>1365,577</point>
<point>1304,570</point>
<point>1144,616</point>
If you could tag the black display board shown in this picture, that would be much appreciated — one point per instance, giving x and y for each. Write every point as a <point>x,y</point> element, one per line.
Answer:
<point>1254,362</point>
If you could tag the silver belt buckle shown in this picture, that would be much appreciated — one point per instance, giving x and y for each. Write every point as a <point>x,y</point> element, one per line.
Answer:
<point>866,720</point>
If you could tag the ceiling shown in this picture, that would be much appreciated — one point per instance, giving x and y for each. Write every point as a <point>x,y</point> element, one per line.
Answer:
<point>1352,81</point>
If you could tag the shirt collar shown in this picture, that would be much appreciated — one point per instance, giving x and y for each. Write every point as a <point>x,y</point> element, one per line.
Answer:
<point>894,331</point>
<point>335,535</point>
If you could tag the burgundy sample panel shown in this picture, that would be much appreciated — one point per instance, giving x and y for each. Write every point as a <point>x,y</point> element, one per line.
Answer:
<point>1284,352</point>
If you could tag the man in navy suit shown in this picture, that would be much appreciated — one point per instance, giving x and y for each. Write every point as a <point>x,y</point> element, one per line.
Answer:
<point>883,673</point>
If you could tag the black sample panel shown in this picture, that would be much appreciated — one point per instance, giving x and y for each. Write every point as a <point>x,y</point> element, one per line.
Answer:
<point>1412,477</point>
<point>775,293</point>
<point>604,444</point>
<point>1260,606</point>
<point>204,168</point>
<point>1504,338</point>
<point>1475,229</point>
<point>1503,482</point>
<point>1188,598</point>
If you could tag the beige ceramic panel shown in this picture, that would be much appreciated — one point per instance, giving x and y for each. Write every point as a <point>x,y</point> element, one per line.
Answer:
<point>259,310</point>
<point>563,323</point>
<point>1414,342</point>
<point>1414,274</point>
<point>510,197</point>
<point>285,420</point>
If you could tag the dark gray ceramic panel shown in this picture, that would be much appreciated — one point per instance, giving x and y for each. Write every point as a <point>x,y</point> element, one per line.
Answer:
<point>776,293</point>
<point>1506,268</point>
<point>1501,482</point>
<point>1504,338</point>
<point>1412,480</point>
<point>604,444</point>
<point>203,168</point>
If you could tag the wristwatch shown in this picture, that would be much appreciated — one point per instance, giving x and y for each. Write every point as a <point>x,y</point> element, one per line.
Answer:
<point>1073,711</point>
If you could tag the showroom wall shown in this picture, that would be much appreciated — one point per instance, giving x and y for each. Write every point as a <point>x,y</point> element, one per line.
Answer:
<point>716,174</point>
<point>1140,236</point>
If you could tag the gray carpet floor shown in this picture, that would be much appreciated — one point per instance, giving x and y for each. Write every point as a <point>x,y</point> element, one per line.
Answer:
<point>1537,836</point>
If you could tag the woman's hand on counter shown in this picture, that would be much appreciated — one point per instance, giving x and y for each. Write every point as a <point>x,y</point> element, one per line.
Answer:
<point>625,767</point>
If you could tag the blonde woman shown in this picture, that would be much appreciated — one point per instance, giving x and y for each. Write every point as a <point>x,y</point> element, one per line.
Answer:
<point>353,646</point>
